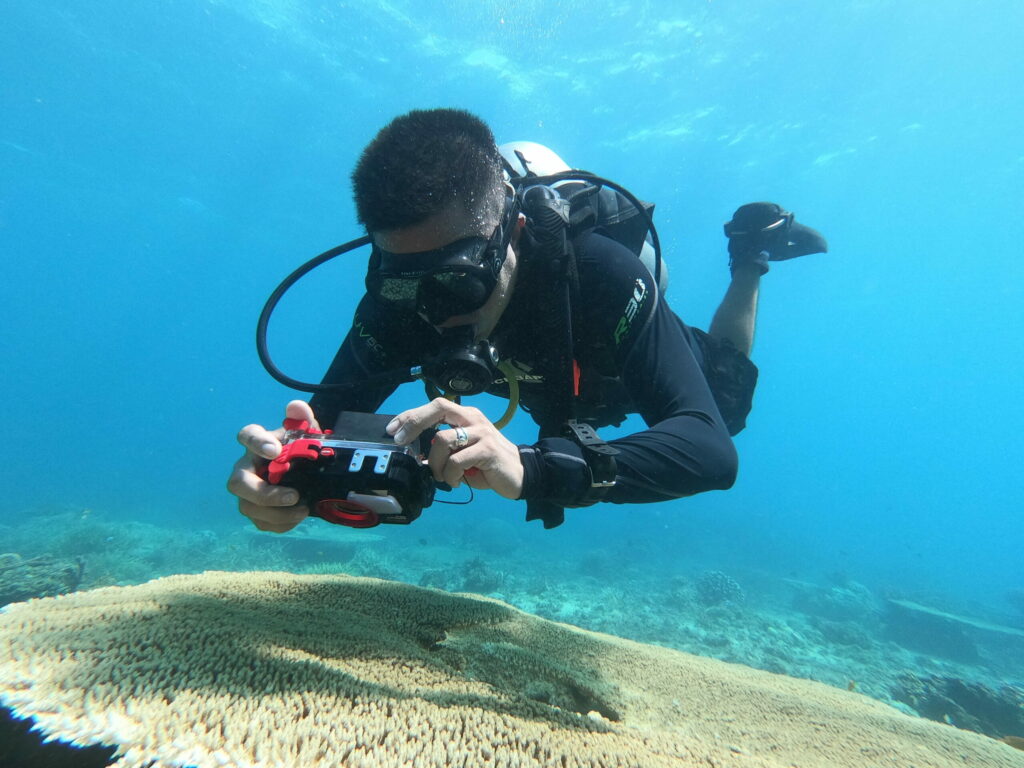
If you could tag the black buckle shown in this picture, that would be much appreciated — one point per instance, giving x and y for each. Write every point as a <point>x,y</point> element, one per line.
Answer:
<point>600,458</point>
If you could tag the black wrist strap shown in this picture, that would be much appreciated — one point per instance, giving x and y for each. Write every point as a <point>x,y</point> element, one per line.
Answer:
<point>600,458</point>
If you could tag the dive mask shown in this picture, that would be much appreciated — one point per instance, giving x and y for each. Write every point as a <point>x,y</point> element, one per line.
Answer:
<point>456,279</point>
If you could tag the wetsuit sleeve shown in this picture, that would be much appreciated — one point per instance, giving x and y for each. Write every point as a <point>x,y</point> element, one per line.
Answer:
<point>686,448</point>
<point>375,344</point>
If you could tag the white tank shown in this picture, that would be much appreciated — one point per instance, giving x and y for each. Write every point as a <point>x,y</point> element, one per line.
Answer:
<point>539,159</point>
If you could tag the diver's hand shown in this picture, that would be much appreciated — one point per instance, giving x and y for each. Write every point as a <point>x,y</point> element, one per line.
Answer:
<point>488,460</point>
<point>270,507</point>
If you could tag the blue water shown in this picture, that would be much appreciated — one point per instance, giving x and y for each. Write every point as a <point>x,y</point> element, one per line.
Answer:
<point>163,165</point>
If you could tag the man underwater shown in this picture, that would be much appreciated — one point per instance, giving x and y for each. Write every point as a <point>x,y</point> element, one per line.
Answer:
<point>457,261</point>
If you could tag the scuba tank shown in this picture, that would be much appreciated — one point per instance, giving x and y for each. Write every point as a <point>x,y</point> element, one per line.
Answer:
<point>612,212</point>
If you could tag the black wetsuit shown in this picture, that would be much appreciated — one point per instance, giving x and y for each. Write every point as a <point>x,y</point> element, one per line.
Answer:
<point>635,356</point>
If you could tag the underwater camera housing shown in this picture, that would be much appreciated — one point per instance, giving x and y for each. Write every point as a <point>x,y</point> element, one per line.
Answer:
<point>355,474</point>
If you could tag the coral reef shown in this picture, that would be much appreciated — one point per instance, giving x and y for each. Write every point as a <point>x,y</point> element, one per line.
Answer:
<point>43,576</point>
<point>479,577</point>
<point>259,670</point>
<point>474,575</point>
<point>317,541</point>
<point>847,602</point>
<point>965,704</point>
<point>843,632</point>
<point>715,588</point>
<point>941,633</point>
<point>435,577</point>
<point>840,632</point>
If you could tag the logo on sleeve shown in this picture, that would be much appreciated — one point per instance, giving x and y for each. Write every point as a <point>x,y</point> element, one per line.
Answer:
<point>636,301</point>
<point>367,338</point>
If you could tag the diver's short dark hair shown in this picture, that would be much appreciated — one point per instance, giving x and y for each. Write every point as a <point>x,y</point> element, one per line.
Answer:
<point>421,161</point>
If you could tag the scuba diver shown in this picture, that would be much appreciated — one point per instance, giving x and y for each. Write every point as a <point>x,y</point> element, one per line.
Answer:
<point>504,270</point>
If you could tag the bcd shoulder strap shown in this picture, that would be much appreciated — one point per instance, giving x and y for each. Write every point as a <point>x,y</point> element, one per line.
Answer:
<point>555,227</point>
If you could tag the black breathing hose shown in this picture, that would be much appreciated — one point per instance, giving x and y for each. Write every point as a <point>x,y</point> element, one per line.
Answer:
<point>399,376</point>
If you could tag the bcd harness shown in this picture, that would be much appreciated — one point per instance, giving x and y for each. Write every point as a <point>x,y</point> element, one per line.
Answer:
<point>556,222</point>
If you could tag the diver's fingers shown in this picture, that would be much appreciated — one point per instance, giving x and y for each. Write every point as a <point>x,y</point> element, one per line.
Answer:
<point>260,441</point>
<point>270,507</point>
<point>496,460</point>
<point>273,519</point>
<point>446,443</point>
<point>246,484</point>
<point>266,443</point>
<point>408,425</point>
<point>301,411</point>
<point>476,479</point>
<point>473,459</point>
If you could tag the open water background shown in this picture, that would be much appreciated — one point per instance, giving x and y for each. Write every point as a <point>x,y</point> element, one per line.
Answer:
<point>164,164</point>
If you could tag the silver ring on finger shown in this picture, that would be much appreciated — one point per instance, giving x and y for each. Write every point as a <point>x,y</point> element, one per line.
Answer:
<point>461,438</point>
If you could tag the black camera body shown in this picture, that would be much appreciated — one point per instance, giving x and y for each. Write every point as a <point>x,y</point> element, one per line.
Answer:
<point>355,474</point>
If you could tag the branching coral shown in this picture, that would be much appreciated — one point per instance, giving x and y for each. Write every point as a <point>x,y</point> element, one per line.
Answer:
<point>273,670</point>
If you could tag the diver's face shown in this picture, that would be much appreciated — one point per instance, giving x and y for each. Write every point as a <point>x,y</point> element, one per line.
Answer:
<point>451,224</point>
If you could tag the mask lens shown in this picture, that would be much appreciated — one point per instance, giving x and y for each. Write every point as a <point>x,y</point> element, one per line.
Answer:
<point>454,280</point>
<point>446,294</point>
<point>397,290</point>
